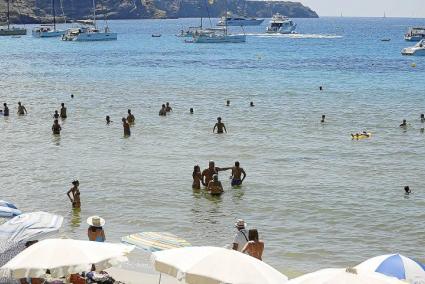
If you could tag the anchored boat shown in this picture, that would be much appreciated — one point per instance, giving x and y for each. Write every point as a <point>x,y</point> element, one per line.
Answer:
<point>417,50</point>
<point>10,30</point>
<point>280,24</point>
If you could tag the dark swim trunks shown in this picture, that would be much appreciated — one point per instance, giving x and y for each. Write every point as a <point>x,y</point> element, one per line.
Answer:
<point>236,182</point>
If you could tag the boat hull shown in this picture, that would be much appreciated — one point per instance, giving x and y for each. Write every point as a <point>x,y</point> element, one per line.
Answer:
<point>238,23</point>
<point>413,52</point>
<point>91,37</point>
<point>414,38</point>
<point>13,32</point>
<point>40,34</point>
<point>220,39</point>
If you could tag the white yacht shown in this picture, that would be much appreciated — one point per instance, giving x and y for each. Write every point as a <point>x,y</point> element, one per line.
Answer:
<point>280,24</point>
<point>218,35</point>
<point>48,30</point>
<point>239,21</point>
<point>415,34</point>
<point>417,50</point>
<point>90,33</point>
<point>8,30</point>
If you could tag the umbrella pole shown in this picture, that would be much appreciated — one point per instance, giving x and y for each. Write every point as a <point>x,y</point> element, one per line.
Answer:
<point>160,274</point>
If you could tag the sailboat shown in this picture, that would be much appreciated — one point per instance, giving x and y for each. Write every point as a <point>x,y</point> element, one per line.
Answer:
<point>11,31</point>
<point>90,31</point>
<point>46,30</point>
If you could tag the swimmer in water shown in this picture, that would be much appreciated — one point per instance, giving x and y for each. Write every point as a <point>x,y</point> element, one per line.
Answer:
<point>126,127</point>
<point>130,117</point>
<point>321,88</point>
<point>207,174</point>
<point>108,120</point>
<point>227,103</point>
<point>21,109</point>
<point>404,123</point>
<point>5,110</point>
<point>167,107</point>
<point>63,111</point>
<point>191,110</point>
<point>56,128</point>
<point>74,194</point>
<point>237,173</point>
<point>162,111</point>
<point>422,118</point>
<point>251,104</point>
<point>56,115</point>
<point>220,126</point>
<point>215,187</point>
<point>197,177</point>
<point>323,119</point>
<point>407,190</point>
<point>254,247</point>
<point>72,96</point>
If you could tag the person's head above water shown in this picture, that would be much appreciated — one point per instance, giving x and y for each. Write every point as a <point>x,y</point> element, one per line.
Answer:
<point>219,119</point>
<point>196,169</point>
<point>108,118</point>
<point>253,235</point>
<point>62,104</point>
<point>237,164</point>
<point>167,103</point>
<point>56,111</point>
<point>422,116</point>
<point>215,177</point>
<point>228,103</point>
<point>124,120</point>
<point>72,96</point>
<point>5,104</point>
<point>251,104</point>
<point>163,106</point>
<point>19,103</point>
<point>191,110</point>
<point>407,189</point>
<point>75,183</point>
<point>129,111</point>
<point>211,164</point>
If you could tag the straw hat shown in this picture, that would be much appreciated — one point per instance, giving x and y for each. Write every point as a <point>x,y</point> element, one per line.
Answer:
<point>96,221</point>
<point>240,224</point>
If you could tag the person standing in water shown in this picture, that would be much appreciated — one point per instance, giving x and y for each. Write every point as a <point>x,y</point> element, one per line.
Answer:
<point>220,126</point>
<point>323,119</point>
<point>56,115</point>
<point>241,237</point>
<point>215,187</point>
<point>207,174</point>
<point>56,128</point>
<point>130,117</point>
<point>167,107</point>
<point>197,177</point>
<point>254,247</point>
<point>422,118</point>
<point>63,111</point>
<point>21,109</point>
<point>162,111</point>
<point>227,103</point>
<point>108,120</point>
<point>251,104</point>
<point>126,127</point>
<point>74,194</point>
<point>5,110</point>
<point>403,124</point>
<point>95,231</point>
<point>191,110</point>
<point>237,173</point>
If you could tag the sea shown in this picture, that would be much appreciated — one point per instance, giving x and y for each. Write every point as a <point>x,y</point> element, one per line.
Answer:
<point>318,198</point>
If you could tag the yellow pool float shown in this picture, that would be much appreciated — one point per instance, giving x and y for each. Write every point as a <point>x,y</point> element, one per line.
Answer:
<point>359,136</point>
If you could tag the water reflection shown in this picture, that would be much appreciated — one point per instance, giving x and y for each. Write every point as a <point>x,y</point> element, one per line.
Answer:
<point>75,218</point>
<point>56,139</point>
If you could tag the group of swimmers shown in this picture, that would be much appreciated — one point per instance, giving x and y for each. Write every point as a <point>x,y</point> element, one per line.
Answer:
<point>56,128</point>
<point>209,177</point>
<point>21,109</point>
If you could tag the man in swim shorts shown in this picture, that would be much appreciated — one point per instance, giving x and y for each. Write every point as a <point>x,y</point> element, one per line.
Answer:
<point>237,172</point>
<point>207,174</point>
<point>220,126</point>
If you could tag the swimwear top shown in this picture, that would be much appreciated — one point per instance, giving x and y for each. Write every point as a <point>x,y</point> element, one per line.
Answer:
<point>100,239</point>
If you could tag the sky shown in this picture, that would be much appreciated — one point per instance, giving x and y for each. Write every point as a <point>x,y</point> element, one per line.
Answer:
<point>368,8</point>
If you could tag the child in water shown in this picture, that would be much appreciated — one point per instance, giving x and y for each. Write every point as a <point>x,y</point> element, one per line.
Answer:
<point>215,187</point>
<point>197,177</point>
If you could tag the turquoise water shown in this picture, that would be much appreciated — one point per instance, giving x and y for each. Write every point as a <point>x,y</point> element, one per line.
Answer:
<point>318,198</point>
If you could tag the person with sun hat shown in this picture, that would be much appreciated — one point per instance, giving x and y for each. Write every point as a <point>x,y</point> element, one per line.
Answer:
<point>95,231</point>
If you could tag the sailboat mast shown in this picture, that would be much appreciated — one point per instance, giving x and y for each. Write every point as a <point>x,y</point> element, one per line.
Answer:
<point>54,15</point>
<point>94,13</point>
<point>8,15</point>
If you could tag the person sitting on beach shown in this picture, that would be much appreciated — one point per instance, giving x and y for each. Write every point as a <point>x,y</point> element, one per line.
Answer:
<point>95,231</point>
<point>197,177</point>
<point>63,111</point>
<point>130,117</point>
<point>215,187</point>
<point>237,172</point>
<point>56,128</point>
<point>56,115</point>
<point>21,109</point>
<point>162,111</point>
<point>404,123</point>
<point>108,120</point>
<point>126,127</point>
<point>207,174</point>
<point>241,237</point>
<point>5,110</point>
<point>323,119</point>
<point>75,192</point>
<point>167,107</point>
<point>254,247</point>
<point>220,126</point>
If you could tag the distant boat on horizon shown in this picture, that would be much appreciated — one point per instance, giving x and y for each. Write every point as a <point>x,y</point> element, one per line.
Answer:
<point>46,30</point>
<point>11,31</point>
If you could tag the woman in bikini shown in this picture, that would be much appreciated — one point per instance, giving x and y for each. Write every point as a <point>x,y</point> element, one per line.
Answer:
<point>197,177</point>
<point>95,231</point>
<point>254,247</point>
<point>75,192</point>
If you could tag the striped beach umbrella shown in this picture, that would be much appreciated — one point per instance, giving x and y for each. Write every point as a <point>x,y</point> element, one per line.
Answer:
<point>8,210</point>
<point>155,241</point>
<point>395,265</point>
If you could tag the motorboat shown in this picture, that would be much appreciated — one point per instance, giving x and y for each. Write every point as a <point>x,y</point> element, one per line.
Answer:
<point>48,30</point>
<point>89,31</point>
<point>280,24</point>
<point>415,34</point>
<point>10,30</point>
<point>217,35</point>
<point>417,50</point>
<point>239,21</point>
<point>89,34</point>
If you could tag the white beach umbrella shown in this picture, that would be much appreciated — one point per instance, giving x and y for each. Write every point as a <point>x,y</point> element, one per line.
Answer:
<point>343,276</point>
<point>395,265</point>
<point>213,265</point>
<point>63,257</point>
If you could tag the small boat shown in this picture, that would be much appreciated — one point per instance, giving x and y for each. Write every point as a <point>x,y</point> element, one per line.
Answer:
<point>415,34</point>
<point>239,21</point>
<point>156,35</point>
<point>11,31</point>
<point>386,39</point>
<point>417,50</point>
<point>218,35</point>
<point>280,24</point>
<point>48,30</point>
